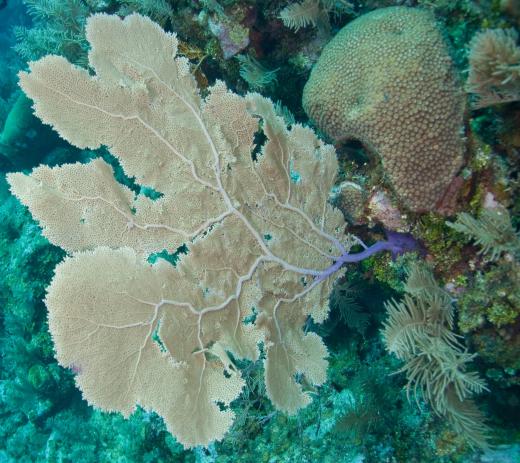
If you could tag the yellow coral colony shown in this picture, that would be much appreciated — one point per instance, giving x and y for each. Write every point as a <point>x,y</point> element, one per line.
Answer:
<point>158,335</point>
<point>386,79</point>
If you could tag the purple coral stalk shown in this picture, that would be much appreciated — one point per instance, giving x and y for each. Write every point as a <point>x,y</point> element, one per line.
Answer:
<point>396,243</point>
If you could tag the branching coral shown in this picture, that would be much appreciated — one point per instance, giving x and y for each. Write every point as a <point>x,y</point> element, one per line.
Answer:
<point>59,29</point>
<point>494,67</point>
<point>298,15</point>
<point>256,75</point>
<point>343,300</point>
<point>264,246</point>
<point>59,25</point>
<point>492,231</point>
<point>158,10</point>
<point>311,12</point>
<point>419,331</point>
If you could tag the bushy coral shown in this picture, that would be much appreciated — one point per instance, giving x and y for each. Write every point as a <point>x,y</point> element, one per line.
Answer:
<point>419,331</point>
<point>158,10</point>
<point>59,28</point>
<point>256,75</point>
<point>492,231</point>
<point>494,67</point>
<point>314,13</point>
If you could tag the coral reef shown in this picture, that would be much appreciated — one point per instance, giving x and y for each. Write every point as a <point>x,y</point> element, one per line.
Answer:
<point>387,80</point>
<point>262,239</point>
<point>381,209</point>
<point>489,302</point>
<point>361,413</point>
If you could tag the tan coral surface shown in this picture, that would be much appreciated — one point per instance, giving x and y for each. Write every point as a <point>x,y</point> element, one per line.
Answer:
<point>386,79</point>
<point>258,243</point>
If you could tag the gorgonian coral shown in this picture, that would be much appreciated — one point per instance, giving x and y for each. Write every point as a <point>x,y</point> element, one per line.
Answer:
<point>419,331</point>
<point>494,67</point>
<point>264,246</point>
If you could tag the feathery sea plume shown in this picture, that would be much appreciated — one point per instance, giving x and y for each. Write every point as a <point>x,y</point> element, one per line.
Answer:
<point>419,331</point>
<point>494,67</point>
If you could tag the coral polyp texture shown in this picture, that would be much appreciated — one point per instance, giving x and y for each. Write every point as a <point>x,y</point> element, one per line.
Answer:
<point>263,250</point>
<point>387,80</point>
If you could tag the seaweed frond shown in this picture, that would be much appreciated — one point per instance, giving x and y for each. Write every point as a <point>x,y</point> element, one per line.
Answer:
<point>405,324</point>
<point>422,285</point>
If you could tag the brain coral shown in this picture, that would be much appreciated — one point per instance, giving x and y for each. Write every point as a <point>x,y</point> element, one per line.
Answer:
<point>386,79</point>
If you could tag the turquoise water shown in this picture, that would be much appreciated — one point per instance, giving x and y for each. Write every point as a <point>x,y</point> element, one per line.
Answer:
<point>345,285</point>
